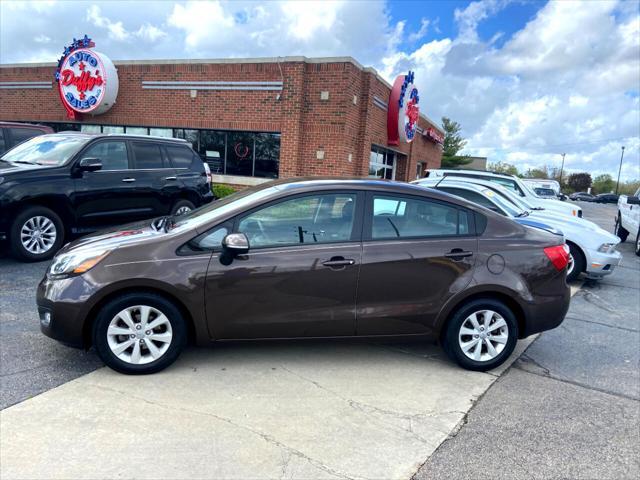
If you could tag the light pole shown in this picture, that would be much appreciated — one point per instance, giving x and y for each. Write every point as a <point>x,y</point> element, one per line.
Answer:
<point>561,168</point>
<point>619,169</point>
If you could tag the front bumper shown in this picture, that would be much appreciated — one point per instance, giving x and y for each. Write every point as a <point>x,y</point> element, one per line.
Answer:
<point>62,309</point>
<point>601,264</point>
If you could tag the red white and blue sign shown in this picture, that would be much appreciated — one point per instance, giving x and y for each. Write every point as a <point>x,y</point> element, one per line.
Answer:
<point>87,80</point>
<point>403,111</point>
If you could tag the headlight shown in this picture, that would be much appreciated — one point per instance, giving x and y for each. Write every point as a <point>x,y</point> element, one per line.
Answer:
<point>606,247</point>
<point>76,262</point>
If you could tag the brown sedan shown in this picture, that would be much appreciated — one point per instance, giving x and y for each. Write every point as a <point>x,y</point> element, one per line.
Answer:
<point>309,258</point>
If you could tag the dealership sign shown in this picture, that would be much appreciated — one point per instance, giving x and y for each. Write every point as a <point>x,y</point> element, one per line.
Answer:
<point>404,111</point>
<point>87,80</point>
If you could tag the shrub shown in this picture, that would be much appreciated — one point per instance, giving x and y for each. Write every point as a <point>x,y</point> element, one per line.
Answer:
<point>222,190</point>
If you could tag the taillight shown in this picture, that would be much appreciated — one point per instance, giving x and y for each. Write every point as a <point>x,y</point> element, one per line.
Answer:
<point>207,170</point>
<point>559,256</point>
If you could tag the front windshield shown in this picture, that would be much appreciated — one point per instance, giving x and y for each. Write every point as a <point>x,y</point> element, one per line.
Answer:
<point>520,203</point>
<point>218,208</point>
<point>501,202</point>
<point>50,149</point>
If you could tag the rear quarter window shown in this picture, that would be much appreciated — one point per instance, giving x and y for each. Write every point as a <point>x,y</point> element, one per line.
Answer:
<point>180,156</point>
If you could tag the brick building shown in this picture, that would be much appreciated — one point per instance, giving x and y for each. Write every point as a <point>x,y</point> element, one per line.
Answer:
<point>250,119</point>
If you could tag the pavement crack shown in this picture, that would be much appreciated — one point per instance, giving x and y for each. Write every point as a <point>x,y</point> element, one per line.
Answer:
<point>527,359</point>
<point>576,319</point>
<point>578,384</point>
<point>264,436</point>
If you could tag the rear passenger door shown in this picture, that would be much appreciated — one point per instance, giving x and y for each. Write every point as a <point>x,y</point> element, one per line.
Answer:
<point>190,173</point>
<point>157,185</point>
<point>417,253</point>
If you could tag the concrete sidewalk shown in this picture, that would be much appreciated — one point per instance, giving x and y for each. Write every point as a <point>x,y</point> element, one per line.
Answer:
<point>277,410</point>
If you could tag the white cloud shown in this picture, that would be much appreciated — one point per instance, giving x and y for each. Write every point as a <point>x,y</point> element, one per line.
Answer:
<point>116,29</point>
<point>424,27</point>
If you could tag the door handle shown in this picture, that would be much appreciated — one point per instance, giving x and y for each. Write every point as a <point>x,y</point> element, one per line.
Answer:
<point>128,180</point>
<point>170,178</point>
<point>457,254</point>
<point>337,262</point>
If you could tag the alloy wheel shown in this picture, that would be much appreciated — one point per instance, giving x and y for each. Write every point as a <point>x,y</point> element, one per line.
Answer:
<point>182,210</point>
<point>483,335</point>
<point>570,265</point>
<point>139,334</point>
<point>38,234</point>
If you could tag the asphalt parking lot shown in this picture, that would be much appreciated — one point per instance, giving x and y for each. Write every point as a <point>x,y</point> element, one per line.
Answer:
<point>568,407</point>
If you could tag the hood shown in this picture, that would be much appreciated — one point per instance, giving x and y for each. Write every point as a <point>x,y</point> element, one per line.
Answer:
<point>7,168</point>
<point>555,206</point>
<point>580,231</point>
<point>124,235</point>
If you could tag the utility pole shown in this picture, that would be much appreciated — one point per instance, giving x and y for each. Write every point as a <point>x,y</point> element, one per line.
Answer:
<point>561,168</point>
<point>619,169</point>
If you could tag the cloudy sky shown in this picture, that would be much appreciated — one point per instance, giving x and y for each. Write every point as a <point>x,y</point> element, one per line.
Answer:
<point>528,80</point>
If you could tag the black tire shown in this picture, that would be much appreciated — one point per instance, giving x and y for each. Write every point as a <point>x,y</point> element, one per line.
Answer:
<point>619,231</point>
<point>181,204</point>
<point>579,262</point>
<point>19,250</point>
<point>452,346</point>
<point>111,309</point>
<point>638,243</point>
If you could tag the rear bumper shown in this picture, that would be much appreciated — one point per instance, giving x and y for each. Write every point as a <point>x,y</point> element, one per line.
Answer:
<point>545,312</point>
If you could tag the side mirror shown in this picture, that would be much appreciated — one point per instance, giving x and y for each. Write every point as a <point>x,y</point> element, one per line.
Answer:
<point>90,164</point>
<point>236,243</point>
<point>633,200</point>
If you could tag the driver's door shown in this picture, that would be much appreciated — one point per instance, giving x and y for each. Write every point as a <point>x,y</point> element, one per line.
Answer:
<point>300,275</point>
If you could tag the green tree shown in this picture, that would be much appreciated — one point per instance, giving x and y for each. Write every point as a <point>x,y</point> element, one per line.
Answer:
<point>503,167</point>
<point>453,143</point>
<point>579,182</point>
<point>603,183</point>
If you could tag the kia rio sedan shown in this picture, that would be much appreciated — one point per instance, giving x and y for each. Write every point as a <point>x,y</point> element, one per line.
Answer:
<point>308,258</point>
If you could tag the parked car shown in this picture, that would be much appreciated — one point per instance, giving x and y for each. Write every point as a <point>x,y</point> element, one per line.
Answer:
<point>592,249</point>
<point>628,218</point>
<point>514,183</point>
<point>582,197</point>
<point>57,185</point>
<point>309,258</point>
<point>544,192</point>
<point>543,183</point>
<point>606,198</point>
<point>13,133</point>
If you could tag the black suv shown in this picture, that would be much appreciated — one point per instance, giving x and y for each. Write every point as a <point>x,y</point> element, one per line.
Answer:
<point>54,186</point>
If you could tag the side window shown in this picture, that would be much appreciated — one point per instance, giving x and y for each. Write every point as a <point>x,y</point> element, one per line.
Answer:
<point>403,217</point>
<point>3,145</point>
<point>19,135</point>
<point>311,219</point>
<point>112,154</point>
<point>181,157</point>
<point>147,155</point>
<point>213,238</point>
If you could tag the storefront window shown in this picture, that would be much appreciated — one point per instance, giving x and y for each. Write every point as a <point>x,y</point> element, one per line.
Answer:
<point>240,150</point>
<point>137,130</point>
<point>382,163</point>
<point>212,147</point>
<point>267,155</point>
<point>247,154</point>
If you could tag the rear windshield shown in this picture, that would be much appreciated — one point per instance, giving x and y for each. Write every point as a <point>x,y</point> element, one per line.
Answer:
<point>46,149</point>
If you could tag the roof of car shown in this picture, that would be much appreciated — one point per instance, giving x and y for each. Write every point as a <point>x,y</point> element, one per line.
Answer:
<point>120,135</point>
<point>469,171</point>
<point>27,125</point>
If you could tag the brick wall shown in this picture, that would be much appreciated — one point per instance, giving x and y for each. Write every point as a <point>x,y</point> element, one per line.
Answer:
<point>337,126</point>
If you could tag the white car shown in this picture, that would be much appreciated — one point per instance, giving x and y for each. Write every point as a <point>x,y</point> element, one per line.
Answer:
<point>592,249</point>
<point>628,218</point>
<point>513,183</point>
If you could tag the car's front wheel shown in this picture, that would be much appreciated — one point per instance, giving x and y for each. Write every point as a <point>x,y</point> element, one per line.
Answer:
<point>577,263</point>
<point>36,234</point>
<point>619,231</point>
<point>481,335</point>
<point>638,243</point>
<point>139,333</point>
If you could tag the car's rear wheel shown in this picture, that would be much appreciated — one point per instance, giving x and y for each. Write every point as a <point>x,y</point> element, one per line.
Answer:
<point>36,234</point>
<point>619,231</point>
<point>181,207</point>
<point>139,333</point>
<point>481,335</point>
<point>577,262</point>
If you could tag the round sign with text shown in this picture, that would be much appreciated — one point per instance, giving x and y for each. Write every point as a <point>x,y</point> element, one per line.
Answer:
<point>88,81</point>
<point>409,112</point>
